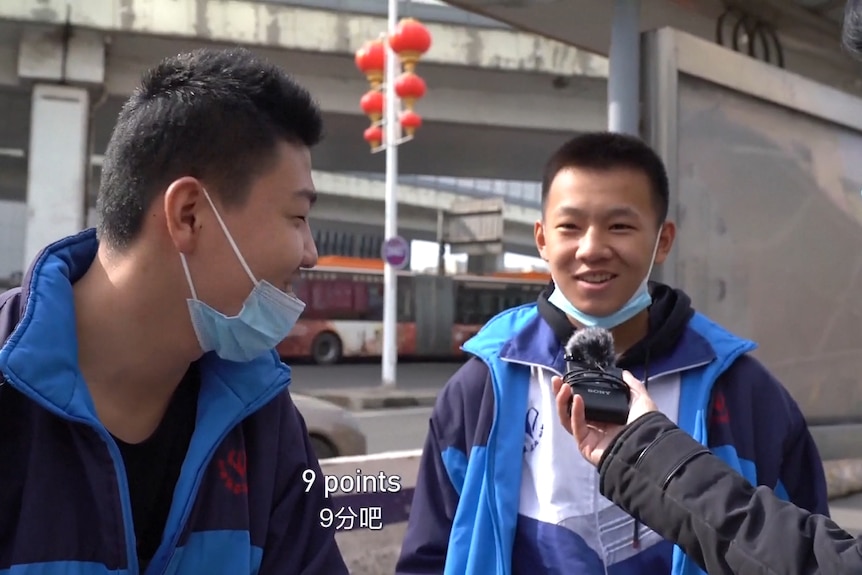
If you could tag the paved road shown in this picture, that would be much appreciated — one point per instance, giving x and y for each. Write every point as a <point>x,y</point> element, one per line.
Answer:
<point>409,376</point>
<point>847,512</point>
<point>394,429</point>
<point>386,429</point>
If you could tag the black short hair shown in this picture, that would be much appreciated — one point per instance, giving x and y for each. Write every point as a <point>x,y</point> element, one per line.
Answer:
<point>851,35</point>
<point>607,151</point>
<point>213,114</point>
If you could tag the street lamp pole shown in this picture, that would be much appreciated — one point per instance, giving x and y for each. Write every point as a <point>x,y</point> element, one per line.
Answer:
<point>402,45</point>
<point>390,206</point>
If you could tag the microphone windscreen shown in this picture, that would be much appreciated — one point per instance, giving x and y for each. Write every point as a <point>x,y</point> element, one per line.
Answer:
<point>593,346</point>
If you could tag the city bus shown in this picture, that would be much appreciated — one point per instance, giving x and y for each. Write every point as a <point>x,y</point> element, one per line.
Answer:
<point>343,318</point>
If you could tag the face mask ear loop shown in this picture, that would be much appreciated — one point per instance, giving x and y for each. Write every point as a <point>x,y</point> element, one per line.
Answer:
<point>188,276</point>
<point>654,252</point>
<point>230,240</point>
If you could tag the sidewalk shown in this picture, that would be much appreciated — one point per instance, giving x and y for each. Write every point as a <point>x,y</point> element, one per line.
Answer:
<point>362,398</point>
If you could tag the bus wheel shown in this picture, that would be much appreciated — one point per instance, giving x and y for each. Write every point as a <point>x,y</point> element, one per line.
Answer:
<point>326,349</point>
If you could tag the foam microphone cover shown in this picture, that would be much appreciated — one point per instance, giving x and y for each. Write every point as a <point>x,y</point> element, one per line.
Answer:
<point>592,346</point>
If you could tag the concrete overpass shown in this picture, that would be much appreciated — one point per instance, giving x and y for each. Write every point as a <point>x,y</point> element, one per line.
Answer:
<point>507,97</point>
<point>358,200</point>
<point>348,204</point>
<point>499,100</point>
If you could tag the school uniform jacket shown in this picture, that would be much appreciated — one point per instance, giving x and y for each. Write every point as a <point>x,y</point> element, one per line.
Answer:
<point>502,489</point>
<point>240,506</point>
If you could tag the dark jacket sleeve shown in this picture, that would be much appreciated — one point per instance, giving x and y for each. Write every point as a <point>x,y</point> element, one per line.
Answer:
<point>298,542</point>
<point>423,551</point>
<point>802,474</point>
<point>779,446</point>
<point>667,480</point>
<point>441,471</point>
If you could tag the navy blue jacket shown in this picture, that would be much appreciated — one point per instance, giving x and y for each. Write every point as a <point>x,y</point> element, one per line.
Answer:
<point>240,505</point>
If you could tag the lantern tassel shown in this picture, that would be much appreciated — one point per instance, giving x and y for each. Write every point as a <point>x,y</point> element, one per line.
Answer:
<point>409,60</point>
<point>375,79</point>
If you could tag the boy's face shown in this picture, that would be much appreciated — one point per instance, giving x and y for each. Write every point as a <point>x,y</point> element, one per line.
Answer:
<point>271,231</point>
<point>598,233</point>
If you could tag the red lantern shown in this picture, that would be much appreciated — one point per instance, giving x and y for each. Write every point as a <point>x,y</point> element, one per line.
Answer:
<point>373,135</point>
<point>371,61</point>
<point>372,104</point>
<point>410,41</point>
<point>410,121</point>
<point>410,88</point>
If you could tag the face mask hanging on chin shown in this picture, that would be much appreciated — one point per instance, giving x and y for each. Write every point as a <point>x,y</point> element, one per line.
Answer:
<point>639,301</point>
<point>267,315</point>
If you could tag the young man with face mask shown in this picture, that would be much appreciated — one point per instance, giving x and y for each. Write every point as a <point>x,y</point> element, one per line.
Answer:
<point>502,488</point>
<point>145,422</point>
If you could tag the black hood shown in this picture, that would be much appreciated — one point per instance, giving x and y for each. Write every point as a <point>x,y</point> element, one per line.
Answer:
<point>669,315</point>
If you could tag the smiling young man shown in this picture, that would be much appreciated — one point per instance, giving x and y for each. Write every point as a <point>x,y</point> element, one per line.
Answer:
<point>145,423</point>
<point>502,488</point>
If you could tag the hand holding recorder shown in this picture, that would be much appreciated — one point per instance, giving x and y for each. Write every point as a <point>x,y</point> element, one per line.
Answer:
<point>595,399</point>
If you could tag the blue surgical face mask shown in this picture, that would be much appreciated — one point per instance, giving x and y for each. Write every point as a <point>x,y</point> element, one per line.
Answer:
<point>639,301</point>
<point>267,315</point>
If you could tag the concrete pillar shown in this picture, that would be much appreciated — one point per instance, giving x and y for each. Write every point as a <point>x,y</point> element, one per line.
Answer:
<point>64,68</point>
<point>484,264</point>
<point>56,166</point>
<point>624,69</point>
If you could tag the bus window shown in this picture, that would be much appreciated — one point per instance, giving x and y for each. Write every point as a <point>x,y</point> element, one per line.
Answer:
<point>374,311</point>
<point>465,306</point>
<point>406,312</point>
<point>330,297</point>
<point>300,289</point>
<point>360,297</point>
<point>520,295</point>
<point>474,305</point>
<point>477,303</point>
<point>334,296</point>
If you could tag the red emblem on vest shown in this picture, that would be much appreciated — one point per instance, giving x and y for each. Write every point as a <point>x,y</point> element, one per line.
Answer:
<point>720,415</point>
<point>232,471</point>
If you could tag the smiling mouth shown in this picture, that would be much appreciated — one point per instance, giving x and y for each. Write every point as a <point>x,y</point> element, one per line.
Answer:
<point>595,278</point>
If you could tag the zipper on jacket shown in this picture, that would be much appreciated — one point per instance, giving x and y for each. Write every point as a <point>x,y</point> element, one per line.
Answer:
<point>492,501</point>
<point>201,471</point>
<point>491,460</point>
<point>125,499</point>
<point>492,491</point>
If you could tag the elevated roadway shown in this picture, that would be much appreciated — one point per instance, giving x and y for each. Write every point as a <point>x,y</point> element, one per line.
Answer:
<point>499,100</point>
